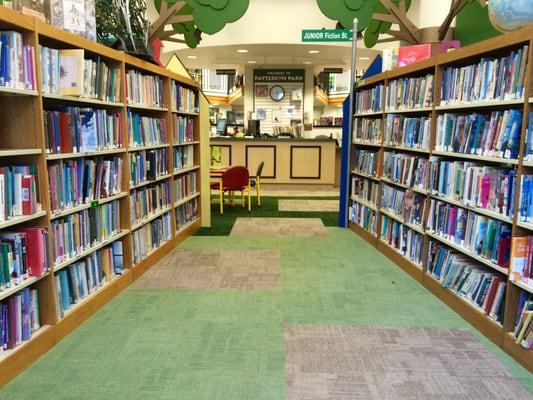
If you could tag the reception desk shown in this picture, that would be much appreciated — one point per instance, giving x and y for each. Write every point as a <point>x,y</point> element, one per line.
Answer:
<point>287,161</point>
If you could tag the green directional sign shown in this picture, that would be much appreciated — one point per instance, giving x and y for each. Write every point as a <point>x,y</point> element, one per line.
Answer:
<point>326,35</point>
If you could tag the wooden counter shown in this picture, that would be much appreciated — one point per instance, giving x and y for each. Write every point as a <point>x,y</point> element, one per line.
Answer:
<point>287,161</point>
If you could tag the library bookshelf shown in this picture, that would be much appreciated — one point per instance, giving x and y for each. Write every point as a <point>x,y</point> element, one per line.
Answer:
<point>372,152</point>
<point>21,111</point>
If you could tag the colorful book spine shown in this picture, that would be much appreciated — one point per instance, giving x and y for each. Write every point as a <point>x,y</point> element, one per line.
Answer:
<point>525,200</point>
<point>406,169</point>
<point>477,234</point>
<point>18,191</point>
<point>484,289</point>
<point>523,331</point>
<point>410,92</point>
<point>521,265</point>
<point>186,213</point>
<point>80,130</point>
<point>363,216</point>
<point>146,131</point>
<point>489,79</point>
<point>407,132</point>
<point>76,233</point>
<point>184,99</point>
<point>81,181</point>
<point>85,277</point>
<point>151,236</point>
<point>365,189</point>
<point>183,129</point>
<point>144,90</point>
<point>404,240</point>
<point>404,204</point>
<point>19,318</point>
<point>183,157</point>
<point>149,165</point>
<point>366,162</point>
<point>528,151</point>
<point>474,185</point>
<point>149,200</point>
<point>369,100</point>
<point>494,135</point>
<point>367,130</point>
<point>185,185</point>
<point>17,62</point>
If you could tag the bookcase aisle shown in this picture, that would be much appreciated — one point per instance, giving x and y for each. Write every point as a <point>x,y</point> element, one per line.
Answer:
<point>442,181</point>
<point>99,179</point>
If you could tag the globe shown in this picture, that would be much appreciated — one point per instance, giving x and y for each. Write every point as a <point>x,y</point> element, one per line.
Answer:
<point>510,15</point>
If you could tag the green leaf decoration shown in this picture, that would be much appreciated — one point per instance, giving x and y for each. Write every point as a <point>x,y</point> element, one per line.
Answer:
<point>345,11</point>
<point>370,38</point>
<point>210,16</point>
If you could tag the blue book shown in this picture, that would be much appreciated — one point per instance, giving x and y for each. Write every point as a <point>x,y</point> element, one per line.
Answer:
<point>26,309</point>
<point>118,260</point>
<point>513,143</point>
<point>89,137</point>
<point>480,234</point>
<point>3,59</point>
<point>65,291</point>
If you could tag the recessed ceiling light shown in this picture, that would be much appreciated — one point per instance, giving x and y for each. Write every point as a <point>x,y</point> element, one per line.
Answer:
<point>242,51</point>
<point>364,58</point>
<point>307,62</point>
<point>192,57</point>
<point>252,62</point>
<point>314,51</point>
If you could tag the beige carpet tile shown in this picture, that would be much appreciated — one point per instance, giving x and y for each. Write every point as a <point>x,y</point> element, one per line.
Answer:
<point>278,227</point>
<point>348,362</point>
<point>215,270</point>
<point>308,205</point>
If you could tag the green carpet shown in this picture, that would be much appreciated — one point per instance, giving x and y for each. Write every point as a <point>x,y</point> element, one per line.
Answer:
<point>221,345</point>
<point>221,224</point>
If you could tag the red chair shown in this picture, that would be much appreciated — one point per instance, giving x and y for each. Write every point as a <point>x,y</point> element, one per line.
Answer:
<point>235,178</point>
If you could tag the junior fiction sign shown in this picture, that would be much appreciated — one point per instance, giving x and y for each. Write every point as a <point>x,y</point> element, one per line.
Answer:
<point>326,35</point>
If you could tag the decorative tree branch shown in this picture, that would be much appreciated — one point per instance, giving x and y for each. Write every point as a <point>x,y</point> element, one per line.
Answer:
<point>165,18</point>
<point>455,8</point>
<point>402,20</point>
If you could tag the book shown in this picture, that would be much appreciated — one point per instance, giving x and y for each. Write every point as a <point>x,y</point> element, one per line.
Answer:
<point>367,130</point>
<point>183,157</point>
<point>184,99</point>
<point>369,100</point>
<point>406,241</point>
<point>184,127</point>
<point>406,169</point>
<point>18,191</point>
<point>144,89</point>
<point>407,132</point>
<point>521,260</point>
<point>149,200</point>
<point>17,61</point>
<point>151,236</point>
<point>409,92</point>
<point>71,72</point>
<point>186,213</point>
<point>363,216</point>
<point>148,165</point>
<point>185,185</point>
<point>146,131</point>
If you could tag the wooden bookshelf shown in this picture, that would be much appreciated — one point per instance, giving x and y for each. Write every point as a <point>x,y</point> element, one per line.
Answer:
<point>501,46</point>
<point>22,111</point>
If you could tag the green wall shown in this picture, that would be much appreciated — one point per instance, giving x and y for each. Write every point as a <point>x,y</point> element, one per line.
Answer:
<point>473,25</point>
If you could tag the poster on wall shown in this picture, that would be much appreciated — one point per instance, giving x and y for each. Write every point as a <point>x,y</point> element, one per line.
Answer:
<point>277,115</point>
<point>291,112</point>
<point>261,112</point>
<point>261,91</point>
<point>297,95</point>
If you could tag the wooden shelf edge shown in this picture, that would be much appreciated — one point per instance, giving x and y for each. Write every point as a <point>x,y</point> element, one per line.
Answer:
<point>363,233</point>
<point>22,219</point>
<point>415,271</point>
<point>523,356</point>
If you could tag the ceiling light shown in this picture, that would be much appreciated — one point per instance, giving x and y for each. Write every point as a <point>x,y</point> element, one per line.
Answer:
<point>252,62</point>
<point>364,58</point>
<point>314,51</point>
<point>307,62</point>
<point>242,51</point>
<point>192,57</point>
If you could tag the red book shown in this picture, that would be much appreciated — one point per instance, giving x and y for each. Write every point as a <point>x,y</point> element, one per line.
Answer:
<point>28,183</point>
<point>487,304</point>
<point>65,134</point>
<point>35,250</point>
<point>11,325</point>
<point>504,244</point>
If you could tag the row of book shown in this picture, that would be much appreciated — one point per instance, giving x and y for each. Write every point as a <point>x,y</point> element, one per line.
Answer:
<point>482,288</point>
<point>144,90</point>
<point>406,204</point>
<point>363,216</point>
<point>489,79</point>
<point>151,236</point>
<point>404,240</point>
<point>480,235</point>
<point>367,129</point>
<point>409,92</point>
<point>75,233</point>
<point>494,135</point>
<point>80,181</point>
<point>528,151</point>
<point>183,129</point>
<point>474,184</point>
<point>67,72</point>
<point>412,132</point>
<point>369,100</point>
<point>146,131</point>
<point>365,189</point>
<point>184,99</point>
<point>17,62</point>
<point>149,200</point>
<point>405,169</point>
<point>148,165</point>
<point>85,277</point>
<point>525,201</point>
<point>18,191</point>
<point>19,318</point>
<point>366,162</point>
<point>183,157</point>
<point>523,331</point>
<point>23,254</point>
<point>78,130</point>
<point>186,213</point>
<point>521,265</point>
<point>185,185</point>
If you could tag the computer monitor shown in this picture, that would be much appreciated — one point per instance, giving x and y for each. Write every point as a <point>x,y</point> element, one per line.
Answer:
<point>230,116</point>
<point>221,126</point>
